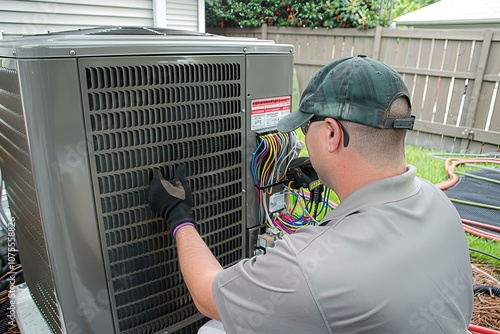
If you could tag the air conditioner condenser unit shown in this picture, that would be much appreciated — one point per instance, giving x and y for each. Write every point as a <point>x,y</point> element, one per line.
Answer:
<point>85,117</point>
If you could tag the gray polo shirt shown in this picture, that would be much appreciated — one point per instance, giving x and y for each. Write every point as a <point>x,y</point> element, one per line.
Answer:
<point>392,258</point>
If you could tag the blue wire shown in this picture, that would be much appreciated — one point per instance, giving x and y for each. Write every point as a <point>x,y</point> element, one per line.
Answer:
<point>255,163</point>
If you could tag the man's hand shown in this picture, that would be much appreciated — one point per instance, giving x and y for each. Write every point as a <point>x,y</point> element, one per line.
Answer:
<point>172,199</point>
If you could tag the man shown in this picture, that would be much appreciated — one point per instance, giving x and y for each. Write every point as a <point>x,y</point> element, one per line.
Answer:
<point>391,258</point>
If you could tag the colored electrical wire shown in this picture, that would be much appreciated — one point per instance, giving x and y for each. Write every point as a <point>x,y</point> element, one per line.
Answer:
<point>330,204</point>
<point>299,211</point>
<point>269,161</point>
<point>269,165</point>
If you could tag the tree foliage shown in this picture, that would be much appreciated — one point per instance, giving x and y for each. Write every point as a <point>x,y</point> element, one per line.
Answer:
<point>361,14</point>
<point>402,7</point>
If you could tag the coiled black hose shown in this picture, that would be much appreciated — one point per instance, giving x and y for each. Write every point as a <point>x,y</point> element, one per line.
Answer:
<point>491,290</point>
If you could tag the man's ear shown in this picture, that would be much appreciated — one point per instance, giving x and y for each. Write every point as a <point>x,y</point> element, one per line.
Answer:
<point>334,135</point>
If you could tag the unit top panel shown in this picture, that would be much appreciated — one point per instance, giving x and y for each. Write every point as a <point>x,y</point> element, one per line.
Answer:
<point>113,41</point>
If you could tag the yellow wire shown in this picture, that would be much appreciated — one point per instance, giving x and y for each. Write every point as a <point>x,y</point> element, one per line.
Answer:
<point>269,162</point>
<point>274,144</point>
<point>263,162</point>
<point>285,139</point>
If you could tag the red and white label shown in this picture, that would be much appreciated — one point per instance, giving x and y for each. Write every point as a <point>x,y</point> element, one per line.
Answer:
<point>267,112</point>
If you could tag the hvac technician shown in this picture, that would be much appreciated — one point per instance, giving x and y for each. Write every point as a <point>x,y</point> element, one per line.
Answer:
<point>392,258</point>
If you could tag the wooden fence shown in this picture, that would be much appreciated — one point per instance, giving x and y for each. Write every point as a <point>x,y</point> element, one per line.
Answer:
<point>453,75</point>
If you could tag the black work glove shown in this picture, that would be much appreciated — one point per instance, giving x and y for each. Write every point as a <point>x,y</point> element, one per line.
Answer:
<point>172,199</point>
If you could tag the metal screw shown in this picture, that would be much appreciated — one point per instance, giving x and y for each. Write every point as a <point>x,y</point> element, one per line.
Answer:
<point>72,53</point>
<point>245,49</point>
<point>13,53</point>
<point>243,191</point>
<point>291,50</point>
<point>243,110</point>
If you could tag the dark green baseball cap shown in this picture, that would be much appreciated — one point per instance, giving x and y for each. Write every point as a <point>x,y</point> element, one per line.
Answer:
<point>356,89</point>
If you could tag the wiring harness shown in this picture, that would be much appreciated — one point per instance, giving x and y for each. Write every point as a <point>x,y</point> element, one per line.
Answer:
<point>290,194</point>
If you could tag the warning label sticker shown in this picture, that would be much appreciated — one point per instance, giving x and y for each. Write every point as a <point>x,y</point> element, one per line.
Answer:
<point>277,201</point>
<point>267,112</point>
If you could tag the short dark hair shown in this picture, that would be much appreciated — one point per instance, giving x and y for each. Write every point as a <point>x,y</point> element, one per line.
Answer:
<point>381,146</point>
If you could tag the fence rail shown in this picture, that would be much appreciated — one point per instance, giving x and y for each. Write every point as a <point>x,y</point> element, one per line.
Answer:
<point>453,75</point>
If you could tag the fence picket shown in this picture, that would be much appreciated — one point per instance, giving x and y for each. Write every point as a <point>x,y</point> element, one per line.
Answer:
<point>478,81</point>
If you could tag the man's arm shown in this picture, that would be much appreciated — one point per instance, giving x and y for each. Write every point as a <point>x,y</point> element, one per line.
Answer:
<point>198,267</point>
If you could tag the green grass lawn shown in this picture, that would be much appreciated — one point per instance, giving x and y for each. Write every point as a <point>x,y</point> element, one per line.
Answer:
<point>433,169</point>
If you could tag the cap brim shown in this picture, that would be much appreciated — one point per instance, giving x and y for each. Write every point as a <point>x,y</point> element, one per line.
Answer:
<point>293,121</point>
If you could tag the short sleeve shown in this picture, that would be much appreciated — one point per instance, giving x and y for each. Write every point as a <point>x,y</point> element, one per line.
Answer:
<point>256,294</point>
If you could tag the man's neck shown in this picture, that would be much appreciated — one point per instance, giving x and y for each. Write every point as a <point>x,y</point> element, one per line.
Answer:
<point>354,175</point>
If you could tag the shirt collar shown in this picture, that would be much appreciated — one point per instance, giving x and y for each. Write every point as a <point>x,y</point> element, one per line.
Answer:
<point>376,193</point>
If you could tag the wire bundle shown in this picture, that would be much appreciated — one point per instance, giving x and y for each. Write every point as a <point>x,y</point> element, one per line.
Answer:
<point>271,157</point>
<point>302,210</point>
<point>270,160</point>
<point>269,164</point>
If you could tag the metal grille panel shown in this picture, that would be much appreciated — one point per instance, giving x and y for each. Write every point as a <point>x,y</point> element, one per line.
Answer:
<point>16,167</point>
<point>157,113</point>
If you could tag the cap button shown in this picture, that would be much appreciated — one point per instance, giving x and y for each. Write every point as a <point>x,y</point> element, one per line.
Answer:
<point>362,55</point>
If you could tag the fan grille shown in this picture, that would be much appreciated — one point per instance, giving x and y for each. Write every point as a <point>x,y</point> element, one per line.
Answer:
<point>156,114</point>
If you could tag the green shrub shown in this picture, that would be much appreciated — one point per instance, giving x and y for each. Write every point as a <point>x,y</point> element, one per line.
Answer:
<point>362,14</point>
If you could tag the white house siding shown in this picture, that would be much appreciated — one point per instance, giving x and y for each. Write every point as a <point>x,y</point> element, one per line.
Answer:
<point>183,14</point>
<point>38,17</point>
